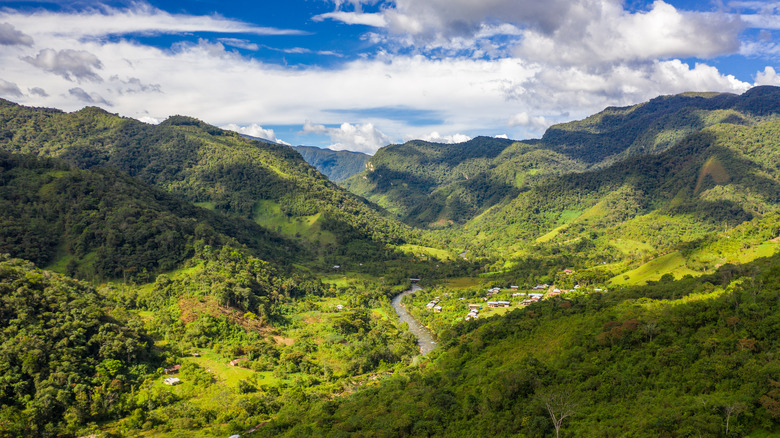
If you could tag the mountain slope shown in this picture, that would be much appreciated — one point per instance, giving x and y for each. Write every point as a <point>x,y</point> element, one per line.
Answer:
<point>405,178</point>
<point>336,165</point>
<point>102,224</point>
<point>673,359</point>
<point>422,189</point>
<point>218,169</point>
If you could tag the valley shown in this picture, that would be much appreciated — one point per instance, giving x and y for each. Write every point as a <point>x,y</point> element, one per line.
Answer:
<point>180,280</point>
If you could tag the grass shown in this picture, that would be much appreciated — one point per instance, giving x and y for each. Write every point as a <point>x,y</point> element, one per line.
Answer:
<point>269,214</point>
<point>440,254</point>
<point>673,263</point>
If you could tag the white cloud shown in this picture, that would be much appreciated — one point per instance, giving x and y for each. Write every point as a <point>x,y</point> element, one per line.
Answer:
<point>220,86</point>
<point>537,124</point>
<point>141,18</point>
<point>375,20</point>
<point>241,44</point>
<point>70,64</point>
<point>608,34</point>
<point>255,130</point>
<point>359,138</point>
<point>768,77</point>
<point>435,137</point>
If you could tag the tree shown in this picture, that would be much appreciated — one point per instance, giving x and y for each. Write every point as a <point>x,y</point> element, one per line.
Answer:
<point>560,405</point>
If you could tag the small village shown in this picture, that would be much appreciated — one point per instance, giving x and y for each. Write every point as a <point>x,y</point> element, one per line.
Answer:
<point>503,298</point>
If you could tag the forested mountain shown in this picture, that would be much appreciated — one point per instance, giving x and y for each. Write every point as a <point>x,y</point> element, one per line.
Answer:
<point>222,170</point>
<point>418,180</point>
<point>410,181</point>
<point>103,224</point>
<point>336,165</point>
<point>226,287</point>
<point>719,176</point>
<point>672,359</point>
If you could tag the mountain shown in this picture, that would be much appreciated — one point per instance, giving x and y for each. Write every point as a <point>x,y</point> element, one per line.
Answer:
<point>672,359</point>
<point>221,170</point>
<point>424,182</point>
<point>104,224</point>
<point>411,182</point>
<point>336,165</point>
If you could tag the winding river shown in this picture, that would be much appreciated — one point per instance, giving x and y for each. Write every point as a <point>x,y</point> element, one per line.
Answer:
<point>424,336</point>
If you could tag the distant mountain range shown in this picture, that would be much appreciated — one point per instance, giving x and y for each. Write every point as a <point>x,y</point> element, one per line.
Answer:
<point>336,165</point>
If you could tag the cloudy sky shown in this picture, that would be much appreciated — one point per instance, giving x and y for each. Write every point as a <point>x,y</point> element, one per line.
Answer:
<point>359,74</point>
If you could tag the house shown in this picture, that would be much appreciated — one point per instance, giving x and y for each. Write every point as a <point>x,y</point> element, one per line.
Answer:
<point>536,296</point>
<point>235,362</point>
<point>474,306</point>
<point>336,266</point>
<point>598,290</point>
<point>172,369</point>
<point>498,303</point>
<point>172,381</point>
<point>195,354</point>
<point>568,271</point>
<point>430,305</point>
<point>437,309</point>
<point>414,280</point>
<point>518,294</point>
<point>339,307</point>
<point>513,287</point>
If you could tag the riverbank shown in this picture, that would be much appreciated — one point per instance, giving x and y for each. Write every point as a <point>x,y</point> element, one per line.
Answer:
<point>424,336</point>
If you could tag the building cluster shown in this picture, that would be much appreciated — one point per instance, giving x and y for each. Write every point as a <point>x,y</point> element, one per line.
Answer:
<point>434,305</point>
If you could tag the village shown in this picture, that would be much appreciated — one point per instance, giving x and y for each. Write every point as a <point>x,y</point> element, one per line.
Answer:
<point>497,300</point>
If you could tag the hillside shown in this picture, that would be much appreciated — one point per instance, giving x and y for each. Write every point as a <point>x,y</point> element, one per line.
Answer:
<point>336,165</point>
<point>415,180</point>
<point>672,359</point>
<point>424,191</point>
<point>213,168</point>
<point>103,224</point>
<point>646,206</point>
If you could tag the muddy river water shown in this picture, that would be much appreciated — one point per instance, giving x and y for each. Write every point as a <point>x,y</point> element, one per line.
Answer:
<point>424,336</point>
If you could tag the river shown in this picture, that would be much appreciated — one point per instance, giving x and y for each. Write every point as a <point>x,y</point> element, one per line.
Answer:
<point>424,336</point>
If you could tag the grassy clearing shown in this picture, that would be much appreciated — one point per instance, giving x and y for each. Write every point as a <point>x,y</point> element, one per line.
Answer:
<point>426,251</point>
<point>673,263</point>
<point>269,214</point>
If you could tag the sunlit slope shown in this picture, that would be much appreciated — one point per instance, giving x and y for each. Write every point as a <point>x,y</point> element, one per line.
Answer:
<point>202,164</point>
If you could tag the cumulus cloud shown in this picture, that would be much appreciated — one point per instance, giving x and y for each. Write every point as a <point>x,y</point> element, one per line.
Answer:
<point>768,77</point>
<point>86,97</point>
<point>489,89</point>
<point>360,138</point>
<point>9,36</point>
<point>70,64</point>
<point>256,131</point>
<point>435,137</point>
<point>9,89</point>
<point>537,123</point>
<point>609,34</point>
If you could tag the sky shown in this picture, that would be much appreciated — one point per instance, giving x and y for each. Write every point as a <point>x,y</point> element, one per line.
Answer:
<point>361,74</point>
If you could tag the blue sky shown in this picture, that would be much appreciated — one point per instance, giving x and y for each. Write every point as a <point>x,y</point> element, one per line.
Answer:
<point>360,74</point>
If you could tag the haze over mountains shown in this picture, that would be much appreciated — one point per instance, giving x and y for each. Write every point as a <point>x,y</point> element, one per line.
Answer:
<point>652,232</point>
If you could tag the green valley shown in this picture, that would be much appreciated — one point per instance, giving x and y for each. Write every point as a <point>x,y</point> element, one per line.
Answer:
<point>617,277</point>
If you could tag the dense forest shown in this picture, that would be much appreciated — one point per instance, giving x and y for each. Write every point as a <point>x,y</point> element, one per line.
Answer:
<point>424,190</point>
<point>220,170</point>
<point>614,278</point>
